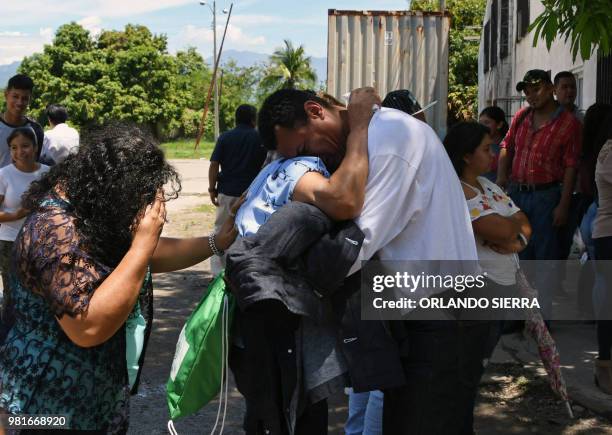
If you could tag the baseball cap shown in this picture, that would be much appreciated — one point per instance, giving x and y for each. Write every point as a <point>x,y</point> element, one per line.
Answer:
<point>533,77</point>
<point>402,99</point>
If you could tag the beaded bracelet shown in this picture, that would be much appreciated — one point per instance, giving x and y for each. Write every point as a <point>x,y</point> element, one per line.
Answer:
<point>213,246</point>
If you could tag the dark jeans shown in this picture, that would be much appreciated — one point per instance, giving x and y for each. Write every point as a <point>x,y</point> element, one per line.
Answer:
<point>442,362</point>
<point>6,249</point>
<point>578,207</point>
<point>544,243</point>
<point>603,251</point>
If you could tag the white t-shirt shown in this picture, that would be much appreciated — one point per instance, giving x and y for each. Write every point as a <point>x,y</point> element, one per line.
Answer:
<point>500,268</point>
<point>13,184</point>
<point>414,206</point>
<point>60,141</point>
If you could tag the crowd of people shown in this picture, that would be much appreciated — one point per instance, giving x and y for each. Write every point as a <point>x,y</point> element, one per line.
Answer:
<point>80,235</point>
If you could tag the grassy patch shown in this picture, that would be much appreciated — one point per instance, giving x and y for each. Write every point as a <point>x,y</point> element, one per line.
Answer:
<point>183,149</point>
<point>206,208</point>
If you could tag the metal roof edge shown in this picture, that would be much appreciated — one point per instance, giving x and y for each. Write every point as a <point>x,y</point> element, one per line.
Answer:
<point>340,12</point>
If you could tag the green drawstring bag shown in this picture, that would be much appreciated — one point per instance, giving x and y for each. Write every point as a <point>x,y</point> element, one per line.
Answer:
<point>200,361</point>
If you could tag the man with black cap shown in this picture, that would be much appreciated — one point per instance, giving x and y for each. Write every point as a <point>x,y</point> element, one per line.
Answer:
<point>540,153</point>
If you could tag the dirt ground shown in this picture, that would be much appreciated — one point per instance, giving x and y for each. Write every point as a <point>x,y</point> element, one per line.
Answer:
<point>513,400</point>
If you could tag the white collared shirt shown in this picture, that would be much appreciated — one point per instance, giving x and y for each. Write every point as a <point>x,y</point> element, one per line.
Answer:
<point>60,141</point>
<point>414,205</point>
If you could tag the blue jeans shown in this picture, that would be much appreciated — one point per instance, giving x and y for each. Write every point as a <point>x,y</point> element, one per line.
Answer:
<point>365,413</point>
<point>544,243</point>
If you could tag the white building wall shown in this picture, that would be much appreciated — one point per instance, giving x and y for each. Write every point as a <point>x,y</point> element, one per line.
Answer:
<point>523,56</point>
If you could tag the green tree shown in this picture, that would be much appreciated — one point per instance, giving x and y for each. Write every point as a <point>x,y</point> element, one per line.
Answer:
<point>239,86</point>
<point>289,67</point>
<point>466,20</point>
<point>585,23</point>
<point>125,75</point>
<point>129,75</point>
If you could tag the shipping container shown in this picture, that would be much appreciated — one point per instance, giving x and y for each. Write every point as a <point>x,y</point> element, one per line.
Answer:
<point>391,50</point>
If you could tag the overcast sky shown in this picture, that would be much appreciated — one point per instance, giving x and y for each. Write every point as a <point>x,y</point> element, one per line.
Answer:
<point>256,25</point>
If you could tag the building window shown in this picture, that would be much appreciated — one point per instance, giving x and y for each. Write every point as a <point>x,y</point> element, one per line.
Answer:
<point>487,35</point>
<point>604,79</point>
<point>504,29</point>
<point>494,28</point>
<point>522,18</point>
<point>579,90</point>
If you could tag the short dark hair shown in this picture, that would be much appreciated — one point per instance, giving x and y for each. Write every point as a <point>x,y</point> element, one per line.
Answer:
<point>402,99</point>
<point>284,108</point>
<point>463,138</point>
<point>25,132</point>
<point>597,129</point>
<point>498,115</point>
<point>246,114</point>
<point>57,114</point>
<point>20,81</point>
<point>563,75</point>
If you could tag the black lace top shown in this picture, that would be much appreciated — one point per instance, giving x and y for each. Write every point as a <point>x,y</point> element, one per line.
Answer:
<point>41,370</point>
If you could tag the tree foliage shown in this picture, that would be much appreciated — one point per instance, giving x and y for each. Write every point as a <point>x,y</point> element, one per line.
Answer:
<point>129,75</point>
<point>289,67</point>
<point>121,75</point>
<point>585,23</point>
<point>466,20</point>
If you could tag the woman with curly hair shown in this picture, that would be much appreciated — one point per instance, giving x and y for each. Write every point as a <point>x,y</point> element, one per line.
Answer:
<point>81,267</point>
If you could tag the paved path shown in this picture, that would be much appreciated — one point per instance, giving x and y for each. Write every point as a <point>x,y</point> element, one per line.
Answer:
<point>194,184</point>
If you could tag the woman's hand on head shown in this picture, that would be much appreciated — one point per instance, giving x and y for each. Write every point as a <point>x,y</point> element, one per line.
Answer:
<point>227,233</point>
<point>149,227</point>
<point>360,107</point>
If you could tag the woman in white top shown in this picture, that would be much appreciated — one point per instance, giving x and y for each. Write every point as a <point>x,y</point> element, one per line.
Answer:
<point>14,181</point>
<point>500,228</point>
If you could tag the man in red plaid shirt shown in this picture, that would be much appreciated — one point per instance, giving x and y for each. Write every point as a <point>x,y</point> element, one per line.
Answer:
<point>542,147</point>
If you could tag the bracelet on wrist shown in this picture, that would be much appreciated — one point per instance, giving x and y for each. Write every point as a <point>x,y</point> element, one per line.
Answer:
<point>213,246</point>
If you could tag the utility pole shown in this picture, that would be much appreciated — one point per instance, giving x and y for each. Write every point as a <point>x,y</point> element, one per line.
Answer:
<point>213,9</point>
<point>216,103</point>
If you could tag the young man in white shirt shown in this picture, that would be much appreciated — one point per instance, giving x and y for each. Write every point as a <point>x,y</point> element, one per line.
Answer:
<point>413,209</point>
<point>61,139</point>
<point>17,96</point>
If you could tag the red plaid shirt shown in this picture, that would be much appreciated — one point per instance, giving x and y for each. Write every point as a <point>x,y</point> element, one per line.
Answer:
<point>541,156</point>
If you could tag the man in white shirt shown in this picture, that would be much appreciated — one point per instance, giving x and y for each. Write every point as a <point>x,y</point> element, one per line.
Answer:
<point>61,139</point>
<point>414,209</point>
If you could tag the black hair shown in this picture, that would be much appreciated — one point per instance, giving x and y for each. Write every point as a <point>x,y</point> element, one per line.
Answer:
<point>497,115</point>
<point>596,131</point>
<point>25,132</point>
<point>594,126</point>
<point>20,81</point>
<point>57,114</point>
<point>116,172</point>
<point>284,108</point>
<point>402,99</point>
<point>246,114</point>
<point>463,138</point>
<point>563,75</point>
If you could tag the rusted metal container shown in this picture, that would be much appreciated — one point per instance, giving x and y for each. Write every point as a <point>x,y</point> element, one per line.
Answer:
<point>391,50</point>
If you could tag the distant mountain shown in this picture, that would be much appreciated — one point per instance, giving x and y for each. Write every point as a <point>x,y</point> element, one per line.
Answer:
<point>8,71</point>
<point>249,58</point>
